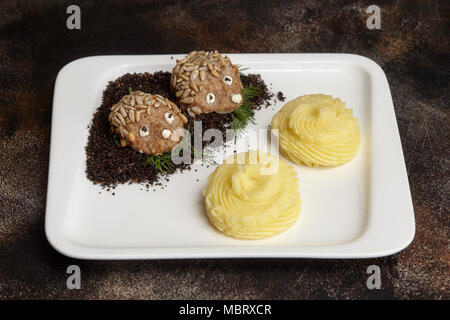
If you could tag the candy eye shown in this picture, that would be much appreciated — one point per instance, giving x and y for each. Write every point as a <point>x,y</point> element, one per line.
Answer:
<point>143,131</point>
<point>169,117</point>
<point>210,98</point>
<point>236,98</point>
<point>166,133</point>
<point>228,80</point>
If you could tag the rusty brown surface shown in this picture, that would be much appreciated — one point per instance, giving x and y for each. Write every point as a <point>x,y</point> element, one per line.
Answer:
<point>412,47</point>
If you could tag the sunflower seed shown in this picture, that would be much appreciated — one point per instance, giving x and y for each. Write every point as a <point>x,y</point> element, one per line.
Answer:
<point>122,111</point>
<point>175,108</point>
<point>126,99</point>
<point>214,73</point>
<point>202,75</point>
<point>190,69</point>
<point>179,93</point>
<point>149,101</point>
<point>148,110</point>
<point>141,106</point>
<point>162,101</point>
<point>138,115</point>
<point>187,100</point>
<point>121,119</point>
<point>115,107</point>
<point>131,115</point>
<point>196,110</point>
<point>139,100</point>
<point>182,76</point>
<point>183,118</point>
<point>193,86</point>
<point>186,93</point>
<point>194,75</point>
<point>116,122</point>
<point>190,113</point>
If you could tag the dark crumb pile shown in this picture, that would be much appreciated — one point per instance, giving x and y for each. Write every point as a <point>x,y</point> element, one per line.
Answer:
<point>109,165</point>
<point>255,80</point>
<point>281,96</point>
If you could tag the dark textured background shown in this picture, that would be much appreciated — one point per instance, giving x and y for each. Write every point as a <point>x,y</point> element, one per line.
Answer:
<point>412,47</point>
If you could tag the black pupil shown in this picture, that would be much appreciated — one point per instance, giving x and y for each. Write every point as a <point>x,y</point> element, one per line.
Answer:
<point>144,129</point>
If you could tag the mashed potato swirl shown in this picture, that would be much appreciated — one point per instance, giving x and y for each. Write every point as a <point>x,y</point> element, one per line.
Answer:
<point>253,200</point>
<point>317,130</point>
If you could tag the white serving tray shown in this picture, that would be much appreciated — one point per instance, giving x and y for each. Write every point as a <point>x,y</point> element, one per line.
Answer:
<point>360,210</point>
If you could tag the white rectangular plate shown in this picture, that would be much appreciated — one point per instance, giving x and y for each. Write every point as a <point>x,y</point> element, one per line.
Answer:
<point>359,210</point>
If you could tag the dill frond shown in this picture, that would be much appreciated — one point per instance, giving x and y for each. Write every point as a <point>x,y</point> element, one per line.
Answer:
<point>241,68</point>
<point>130,90</point>
<point>243,115</point>
<point>116,140</point>
<point>160,162</point>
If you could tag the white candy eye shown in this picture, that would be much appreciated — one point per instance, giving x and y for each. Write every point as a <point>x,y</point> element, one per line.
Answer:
<point>166,133</point>
<point>236,98</point>
<point>169,117</point>
<point>143,131</point>
<point>228,80</point>
<point>210,98</point>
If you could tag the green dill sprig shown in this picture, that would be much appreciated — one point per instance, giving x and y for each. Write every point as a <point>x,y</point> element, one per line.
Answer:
<point>130,90</point>
<point>241,68</point>
<point>116,140</point>
<point>243,115</point>
<point>160,162</point>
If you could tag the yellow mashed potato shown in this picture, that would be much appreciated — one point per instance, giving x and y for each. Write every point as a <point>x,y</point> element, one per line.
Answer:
<point>256,199</point>
<point>317,130</point>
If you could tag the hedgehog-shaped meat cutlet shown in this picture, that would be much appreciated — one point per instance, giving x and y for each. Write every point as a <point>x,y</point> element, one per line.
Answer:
<point>206,82</point>
<point>148,123</point>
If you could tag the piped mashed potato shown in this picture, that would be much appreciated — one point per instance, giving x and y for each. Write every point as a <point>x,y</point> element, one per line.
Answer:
<point>317,130</point>
<point>253,195</point>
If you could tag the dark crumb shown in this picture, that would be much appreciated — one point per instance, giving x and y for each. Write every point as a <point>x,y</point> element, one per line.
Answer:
<point>281,96</point>
<point>255,80</point>
<point>109,165</point>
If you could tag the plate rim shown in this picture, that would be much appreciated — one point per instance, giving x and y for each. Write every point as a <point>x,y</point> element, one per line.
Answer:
<point>347,250</point>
